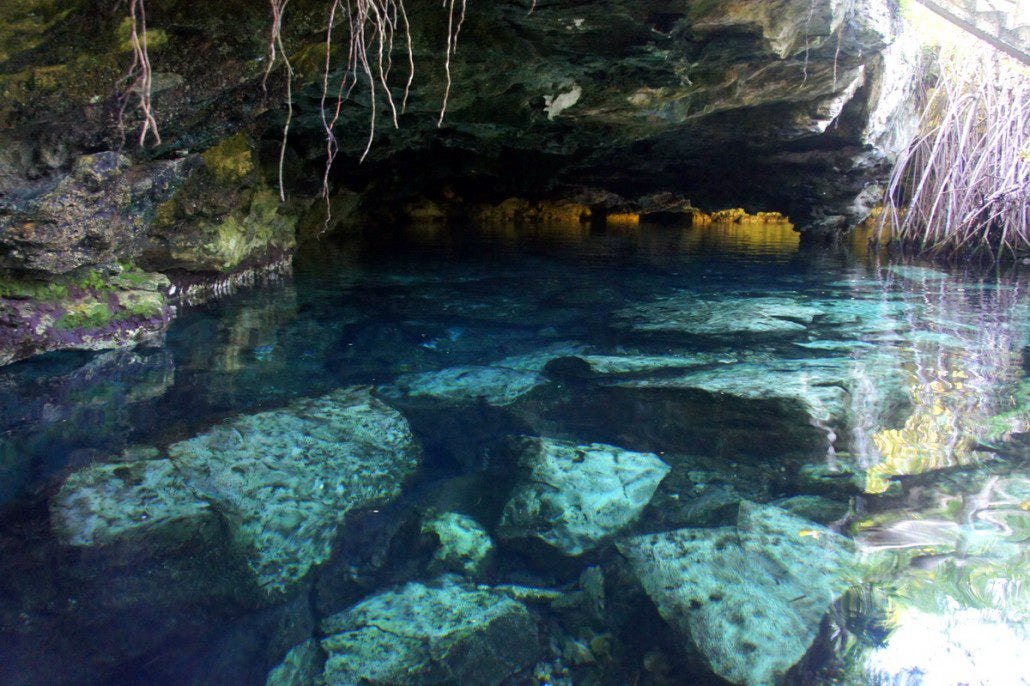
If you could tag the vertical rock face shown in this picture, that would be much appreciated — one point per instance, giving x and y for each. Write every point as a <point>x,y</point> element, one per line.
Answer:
<point>791,105</point>
<point>748,597</point>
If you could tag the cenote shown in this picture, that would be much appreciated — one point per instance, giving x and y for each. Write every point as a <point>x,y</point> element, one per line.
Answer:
<point>619,343</point>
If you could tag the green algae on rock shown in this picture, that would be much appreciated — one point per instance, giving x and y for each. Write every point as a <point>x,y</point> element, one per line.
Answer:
<point>93,311</point>
<point>573,497</point>
<point>439,632</point>
<point>223,217</point>
<point>748,597</point>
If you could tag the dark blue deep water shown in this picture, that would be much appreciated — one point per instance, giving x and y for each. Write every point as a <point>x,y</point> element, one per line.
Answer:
<point>534,456</point>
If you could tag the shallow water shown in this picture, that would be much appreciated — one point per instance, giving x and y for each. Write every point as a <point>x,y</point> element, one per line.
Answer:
<point>855,393</point>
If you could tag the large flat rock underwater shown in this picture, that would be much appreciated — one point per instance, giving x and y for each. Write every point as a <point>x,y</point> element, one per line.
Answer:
<point>749,598</point>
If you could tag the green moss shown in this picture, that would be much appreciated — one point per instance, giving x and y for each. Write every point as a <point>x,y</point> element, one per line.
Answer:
<point>86,315</point>
<point>231,160</point>
<point>156,38</point>
<point>37,290</point>
<point>93,314</point>
<point>25,24</point>
<point>238,238</point>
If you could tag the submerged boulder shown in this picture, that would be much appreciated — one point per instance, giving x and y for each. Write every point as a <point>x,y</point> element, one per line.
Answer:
<point>499,383</point>
<point>573,496</point>
<point>286,479</point>
<point>301,666</point>
<point>440,632</point>
<point>749,598</point>
<point>464,545</point>
<point>105,503</point>
<point>282,480</point>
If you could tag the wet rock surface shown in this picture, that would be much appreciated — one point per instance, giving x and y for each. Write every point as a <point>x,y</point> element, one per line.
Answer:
<point>749,597</point>
<point>464,545</point>
<point>95,311</point>
<point>96,213</point>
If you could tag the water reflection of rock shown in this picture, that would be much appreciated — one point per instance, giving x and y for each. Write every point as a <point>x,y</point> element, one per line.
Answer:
<point>57,408</point>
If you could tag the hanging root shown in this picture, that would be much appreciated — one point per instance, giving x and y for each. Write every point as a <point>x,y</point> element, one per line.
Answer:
<point>963,187</point>
<point>139,76</point>
<point>275,50</point>
<point>372,26</point>
<point>453,31</point>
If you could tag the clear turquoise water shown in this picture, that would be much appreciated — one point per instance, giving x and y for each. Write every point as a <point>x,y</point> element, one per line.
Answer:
<point>756,370</point>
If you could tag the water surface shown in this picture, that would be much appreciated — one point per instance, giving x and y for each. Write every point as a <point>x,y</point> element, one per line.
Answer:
<point>873,397</point>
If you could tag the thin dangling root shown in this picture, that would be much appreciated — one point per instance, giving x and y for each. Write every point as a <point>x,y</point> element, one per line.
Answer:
<point>275,49</point>
<point>140,76</point>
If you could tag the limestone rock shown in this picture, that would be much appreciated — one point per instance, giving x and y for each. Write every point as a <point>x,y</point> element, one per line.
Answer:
<point>819,386</point>
<point>499,383</point>
<point>286,479</point>
<point>223,217</point>
<point>93,311</point>
<point>464,545</point>
<point>574,496</point>
<point>748,597</point>
<point>441,632</point>
<point>104,503</point>
<point>95,214</point>
<point>301,666</point>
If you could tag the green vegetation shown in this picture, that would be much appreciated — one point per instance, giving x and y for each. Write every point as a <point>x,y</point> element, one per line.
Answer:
<point>93,280</point>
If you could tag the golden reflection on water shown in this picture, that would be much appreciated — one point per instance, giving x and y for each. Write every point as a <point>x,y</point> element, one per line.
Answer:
<point>779,239</point>
<point>953,368</point>
<point>772,239</point>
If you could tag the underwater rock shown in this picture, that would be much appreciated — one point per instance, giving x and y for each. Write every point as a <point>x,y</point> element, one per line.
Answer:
<point>286,479</point>
<point>814,507</point>
<point>727,316</point>
<point>749,597</point>
<point>104,503</point>
<point>819,385</point>
<point>464,545</point>
<point>840,479</point>
<point>441,632</point>
<point>635,364</point>
<point>499,383</point>
<point>302,666</point>
<point>574,496</point>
